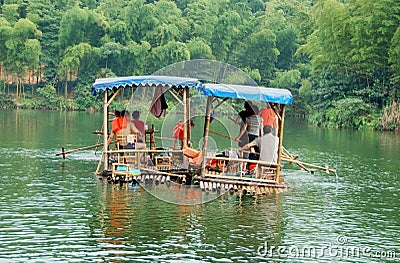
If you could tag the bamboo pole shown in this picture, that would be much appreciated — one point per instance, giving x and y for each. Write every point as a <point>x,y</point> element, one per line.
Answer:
<point>294,158</point>
<point>63,153</point>
<point>221,134</point>
<point>105,128</point>
<point>267,183</point>
<point>164,138</point>
<point>164,173</point>
<point>219,104</point>
<point>99,164</point>
<point>280,135</point>
<point>98,139</point>
<point>175,97</point>
<point>185,119</point>
<point>206,132</point>
<point>327,169</point>
<point>189,132</point>
<point>243,160</point>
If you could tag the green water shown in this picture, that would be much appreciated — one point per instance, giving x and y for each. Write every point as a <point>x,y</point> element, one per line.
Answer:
<point>56,210</point>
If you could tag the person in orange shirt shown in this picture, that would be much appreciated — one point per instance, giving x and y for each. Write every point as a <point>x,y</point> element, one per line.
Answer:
<point>269,117</point>
<point>121,126</point>
<point>178,132</point>
<point>117,123</point>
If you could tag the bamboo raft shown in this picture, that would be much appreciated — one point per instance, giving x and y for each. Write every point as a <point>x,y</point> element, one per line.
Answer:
<point>148,165</point>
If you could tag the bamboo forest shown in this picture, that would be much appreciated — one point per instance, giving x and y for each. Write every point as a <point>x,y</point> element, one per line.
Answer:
<point>339,58</point>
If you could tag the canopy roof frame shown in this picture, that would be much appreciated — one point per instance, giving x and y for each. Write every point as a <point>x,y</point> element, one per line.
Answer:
<point>273,95</point>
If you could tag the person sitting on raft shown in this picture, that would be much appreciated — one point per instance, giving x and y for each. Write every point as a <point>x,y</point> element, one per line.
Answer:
<point>121,128</point>
<point>140,125</point>
<point>268,145</point>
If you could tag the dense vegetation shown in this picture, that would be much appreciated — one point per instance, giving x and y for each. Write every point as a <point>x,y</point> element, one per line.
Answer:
<point>341,59</point>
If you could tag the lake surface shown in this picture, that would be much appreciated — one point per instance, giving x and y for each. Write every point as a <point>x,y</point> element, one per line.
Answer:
<point>57,210</point>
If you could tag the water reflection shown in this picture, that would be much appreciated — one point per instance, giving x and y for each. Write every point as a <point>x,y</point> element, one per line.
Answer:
<point>230,227</point>
<point>56,210</point>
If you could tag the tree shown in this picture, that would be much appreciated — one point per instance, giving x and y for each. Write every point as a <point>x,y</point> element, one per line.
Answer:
<point>226,35</point>
<point>111,51</point>
<point>10,13</point>
<point>115,10</point>
<point>394,60</point>
<point>73,59</point>
<point>287,79</point>
<point>286,44</point>
<point>47,18</point>
<point>260,52</point>
<point>170,25</point>
<point>5,33</point>
<point>140,19</point>
<point>81,26</point>
<point>22,49</point>
<point>136,58</point>
<point>119,32</point>
<point>170,53</point>
<point>199,49</point>
<point>202,17</point>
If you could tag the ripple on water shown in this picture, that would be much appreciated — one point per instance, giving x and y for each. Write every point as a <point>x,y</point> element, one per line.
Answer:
<point>54,210</point>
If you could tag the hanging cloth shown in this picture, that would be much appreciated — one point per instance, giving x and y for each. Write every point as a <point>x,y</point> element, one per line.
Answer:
<point>159,105</point>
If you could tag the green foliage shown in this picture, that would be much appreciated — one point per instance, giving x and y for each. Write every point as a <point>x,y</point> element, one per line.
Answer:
<point>10,12</point>
<point>287,79</point>
<point>51,99</point>
<point>394,53</point>
<point>261,52</point>
<point>170,53</point>
<point>354,45</point>
<point>202,17</point>
<point>199,49</point>
<point>81,26</point>
<point>47,92</point>
<point>253,74</point>
<point>350,113</point>
<point>327,52</point>
<point>85,100</point>
<point>47,17</point>
<point>6,101</point>
<point>226,35</point>
<point>21,48</point>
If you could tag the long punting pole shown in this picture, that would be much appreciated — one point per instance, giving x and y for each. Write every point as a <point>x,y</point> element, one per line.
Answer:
<point>105,129</point>
<point>206,132</point>
<point>63,153</point>
<point>280,135</point>
<point>188,136</point>
<point>185,118</point>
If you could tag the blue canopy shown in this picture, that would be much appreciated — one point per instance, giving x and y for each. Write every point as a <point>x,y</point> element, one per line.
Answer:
<point>281,96</point>
<point>110,83</point>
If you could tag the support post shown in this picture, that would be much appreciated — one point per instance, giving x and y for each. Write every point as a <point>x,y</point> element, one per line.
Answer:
<point>105,130</point>
<point>206,132</point>
<point>188,115</point>
<point>280,135</point>
<point>185,119</point>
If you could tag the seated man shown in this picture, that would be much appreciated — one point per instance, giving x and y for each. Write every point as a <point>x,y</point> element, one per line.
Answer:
<point>140,125</point>
<point>124,130</point>
<point>268,145</point>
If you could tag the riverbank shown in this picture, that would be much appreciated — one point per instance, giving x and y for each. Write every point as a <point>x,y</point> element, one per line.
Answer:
<point>387,119</point>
